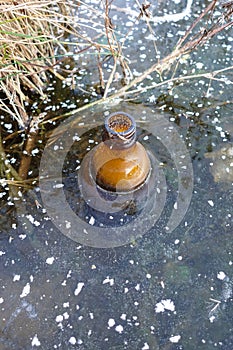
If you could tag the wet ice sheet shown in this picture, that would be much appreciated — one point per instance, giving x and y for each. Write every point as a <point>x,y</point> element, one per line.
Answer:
<point>55,293</point>
<point>101,298</point>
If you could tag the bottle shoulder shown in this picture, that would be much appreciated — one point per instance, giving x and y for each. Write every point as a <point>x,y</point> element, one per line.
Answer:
<point>105,151</point>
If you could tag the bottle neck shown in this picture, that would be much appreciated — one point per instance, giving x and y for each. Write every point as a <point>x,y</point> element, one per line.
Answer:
<point>119,131</point>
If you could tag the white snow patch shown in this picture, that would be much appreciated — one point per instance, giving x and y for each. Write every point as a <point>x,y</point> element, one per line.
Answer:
<point>35,341</point>
<point>50,261</point>
<point>72,340</point>
<point>25,291</point>
<point>142,56</point>
<point>221,275</point>
<point>2,253</point>
<point>174,338</point>
<point>35,151</point>
<point>16,278</point>
<point>58,186</point>
<point>59,318</point>
<point>212,318</point>
<point>199,65</point>
<point>8,126</point>
<point>123,317</point>
<point>166,304</point>
<point>108,280</point>
<point>76,138</point>
<point>129,24</point>
<point>162,284</point>
<point>68,224</point>
<point>145,346</point>
<point>1,300</point>
<point>92,220</point>
<point>119,328</point>
<point>211,203</point>
<point>32,220</point>
<point>78,288</point>
<point>111,322</point>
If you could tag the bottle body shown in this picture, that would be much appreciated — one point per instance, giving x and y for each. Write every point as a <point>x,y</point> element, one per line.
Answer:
<point>120,170</point>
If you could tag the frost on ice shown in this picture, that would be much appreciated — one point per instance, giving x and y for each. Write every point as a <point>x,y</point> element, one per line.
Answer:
<point>166,304</point>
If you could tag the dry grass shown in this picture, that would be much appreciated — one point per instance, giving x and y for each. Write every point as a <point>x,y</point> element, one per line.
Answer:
<point>29,32</point>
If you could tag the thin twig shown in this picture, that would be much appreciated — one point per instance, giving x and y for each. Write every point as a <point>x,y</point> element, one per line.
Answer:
<point>193,25</point>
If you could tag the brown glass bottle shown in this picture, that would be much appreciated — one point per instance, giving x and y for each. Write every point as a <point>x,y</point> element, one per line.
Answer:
<point>120,163</point>
<point>116,177</point>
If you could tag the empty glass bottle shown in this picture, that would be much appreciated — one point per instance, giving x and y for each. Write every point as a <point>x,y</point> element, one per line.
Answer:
<point>120,163</point>
<point>115,174</point>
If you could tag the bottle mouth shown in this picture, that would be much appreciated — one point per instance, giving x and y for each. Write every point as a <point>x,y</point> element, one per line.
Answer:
<point>120,125</point>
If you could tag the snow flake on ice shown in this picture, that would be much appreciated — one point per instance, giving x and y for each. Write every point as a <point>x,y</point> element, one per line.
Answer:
<point>50,261</point>
<point>78,288</point>
<point>108,280</point>
<point>174,338</point>
<point>35,341</point>
<point>25,291</point>
<point>166,304</point>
